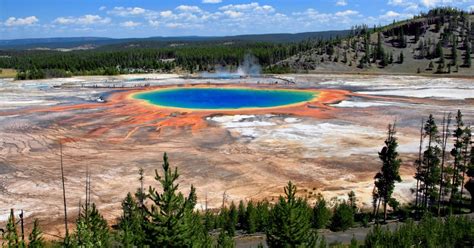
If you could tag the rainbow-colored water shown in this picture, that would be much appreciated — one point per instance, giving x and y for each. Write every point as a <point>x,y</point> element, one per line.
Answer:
<point>224,98</point>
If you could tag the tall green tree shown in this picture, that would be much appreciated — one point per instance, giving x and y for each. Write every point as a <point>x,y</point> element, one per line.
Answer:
<point>131,223</point>
<point>35,239</point>
<point>467,53</point>
<point>343,217</point>
<point>167,224</point>
<point>92,229</point>
<point>251,218</point>
<point>10,235</point>
<point>430,163</point>
<point>290,222</point>
<point>321,213</point>
<point>389,173</point>
<point>457,154</point>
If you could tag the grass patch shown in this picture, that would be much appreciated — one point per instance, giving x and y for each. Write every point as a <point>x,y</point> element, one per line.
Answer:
<point>7,73</point>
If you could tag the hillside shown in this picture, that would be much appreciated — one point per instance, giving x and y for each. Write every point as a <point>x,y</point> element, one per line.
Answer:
<point>438,42</point>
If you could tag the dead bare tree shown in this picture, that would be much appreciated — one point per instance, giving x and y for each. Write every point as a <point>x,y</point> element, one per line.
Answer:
<point>64,188</point>
<point>444,140</point>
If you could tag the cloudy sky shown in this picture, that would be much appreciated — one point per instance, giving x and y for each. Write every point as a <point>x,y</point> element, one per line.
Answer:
<point>145,18</point>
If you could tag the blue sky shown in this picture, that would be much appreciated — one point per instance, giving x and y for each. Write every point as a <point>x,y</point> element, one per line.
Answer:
<point>145,18</point>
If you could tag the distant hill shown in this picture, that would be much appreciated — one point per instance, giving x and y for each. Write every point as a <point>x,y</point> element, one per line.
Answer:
<point>437,42</point>
<point>84,43</point>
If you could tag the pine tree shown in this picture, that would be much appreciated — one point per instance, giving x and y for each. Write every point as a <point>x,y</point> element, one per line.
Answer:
<point>131,223</point>
<point>456,152</point>
<point>343,217</point>
<point>263,216</point>
<point>321,213</point>
<point>430,163</point>
<point>36,236</point>
<point>470,173</point>
<point>231,220</point>
<point>401,58</point>
<point>467,143</point>
<point>92,229</point>
<point>467,54</point>
<point>209,221</point>
<point>454,51</point>
<point>290,222</point>
<point>242,215</point>
<point>224,240</point>
<point>167,225</point>
<point>11,234</point>
<point>251,218</point>
<point>389,173</point>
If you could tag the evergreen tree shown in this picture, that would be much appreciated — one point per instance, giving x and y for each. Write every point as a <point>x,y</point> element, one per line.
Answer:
<point>209,221</point>
<point>321,213</point>
<point>389,173</point>
<point>401,58</point>
<point>231,220</point>
<point>263,216</point>
<point>343,217</point>
<point>224,240</point>
<point>470,173</point>
<point>467,54</point>
<point>251,218</point>
<point>454,51</point>
<point>11,234</point>
<point>380,52</point>
<point>456,152</point>
<point>242,215</point>
<point>430,164</point>
<point>131,223</point>
<point>36,236</point>
<point>290,222</point>
<point>92,229</point>
<point>168,224</point>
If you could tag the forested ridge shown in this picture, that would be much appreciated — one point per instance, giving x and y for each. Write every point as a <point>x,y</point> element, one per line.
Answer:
<point>437,42</point>
<point>164,217</point>
<point>191,58</point>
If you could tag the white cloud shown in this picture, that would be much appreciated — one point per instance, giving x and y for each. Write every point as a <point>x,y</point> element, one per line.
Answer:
<point>249,6</point>
<point>211,1</point>
<point>130,11</point>
<point>409,5</point>
<point>102,8</point>
<point>154,23</point>
<point>341,3</point>
<point>233,14</point>
<point>82,20</point>
<point>130,24</point>
<point>27,21</point>
<point>392,15</point>
<point>433,3</point>
<point>188,8</point>
<point>166,14</point>
<point>346,13</point>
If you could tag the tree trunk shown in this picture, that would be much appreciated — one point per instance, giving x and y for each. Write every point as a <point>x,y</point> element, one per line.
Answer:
<point>470,188</point>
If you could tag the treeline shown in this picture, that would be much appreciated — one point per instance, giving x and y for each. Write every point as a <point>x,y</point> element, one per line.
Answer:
<point>191,58</point>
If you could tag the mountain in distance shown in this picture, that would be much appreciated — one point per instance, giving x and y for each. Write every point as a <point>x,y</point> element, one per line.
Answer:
<point>85,43</point>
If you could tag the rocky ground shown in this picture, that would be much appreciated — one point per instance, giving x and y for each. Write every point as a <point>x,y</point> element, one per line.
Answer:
<point>228,156</point>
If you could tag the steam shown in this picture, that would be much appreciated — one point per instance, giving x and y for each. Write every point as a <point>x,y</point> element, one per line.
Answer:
<point>248,67</point>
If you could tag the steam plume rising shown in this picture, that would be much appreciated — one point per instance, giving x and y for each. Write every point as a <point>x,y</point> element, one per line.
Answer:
<point>248,67</point>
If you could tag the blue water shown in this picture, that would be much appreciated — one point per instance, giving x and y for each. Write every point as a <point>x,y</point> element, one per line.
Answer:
<point>223,98</point>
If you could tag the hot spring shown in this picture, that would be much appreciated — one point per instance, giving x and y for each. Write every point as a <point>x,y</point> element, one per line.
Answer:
<point>224,98</point>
